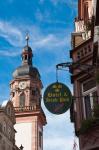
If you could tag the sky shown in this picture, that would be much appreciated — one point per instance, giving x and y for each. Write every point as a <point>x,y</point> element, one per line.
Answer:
<point>49,24</point>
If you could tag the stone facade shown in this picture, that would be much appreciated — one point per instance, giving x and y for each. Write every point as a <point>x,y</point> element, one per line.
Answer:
<point>7,131</point>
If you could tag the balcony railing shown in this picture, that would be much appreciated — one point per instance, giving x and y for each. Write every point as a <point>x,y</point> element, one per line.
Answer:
<point>84,28</point>
<point>26,108</point>
<point>79,25</point>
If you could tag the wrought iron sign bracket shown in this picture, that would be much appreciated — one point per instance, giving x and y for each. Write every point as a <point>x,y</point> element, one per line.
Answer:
<point>81,66</point>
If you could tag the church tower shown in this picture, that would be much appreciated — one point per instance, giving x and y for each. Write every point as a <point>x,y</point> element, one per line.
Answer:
<point>26,97</point>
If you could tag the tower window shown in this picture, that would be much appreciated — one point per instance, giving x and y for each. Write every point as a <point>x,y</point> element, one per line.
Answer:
<point>9,111</point>
<point>13,94</point>
<point>25,57</point>
<point>22,100</point>
<point>33,92</point>
<point>29,58</point>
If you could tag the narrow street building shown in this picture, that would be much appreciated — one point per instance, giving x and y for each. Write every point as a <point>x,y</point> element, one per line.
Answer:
<point>84,53</point>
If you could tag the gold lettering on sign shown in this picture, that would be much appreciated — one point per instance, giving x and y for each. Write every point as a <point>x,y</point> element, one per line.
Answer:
<point>54,95</point>
<point>54,86</point>
<point>65,94</point>
<point>52,100</point>
<point>59,86</point>
<point>62,99</point>
<point>57,90</point>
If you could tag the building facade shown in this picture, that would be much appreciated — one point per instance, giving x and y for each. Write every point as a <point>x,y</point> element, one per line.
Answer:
<point>26,97</point>
<point>7,131</point>
<point>84,70</point>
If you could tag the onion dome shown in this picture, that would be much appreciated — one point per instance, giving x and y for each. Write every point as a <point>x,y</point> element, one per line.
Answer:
<point>26,68</point>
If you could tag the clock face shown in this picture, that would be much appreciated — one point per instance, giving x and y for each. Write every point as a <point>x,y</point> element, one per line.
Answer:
<point>22,85</point>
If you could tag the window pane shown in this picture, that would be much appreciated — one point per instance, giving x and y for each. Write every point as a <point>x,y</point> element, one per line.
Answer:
<point>87,106</point>
<point>89,85</point>
<point>95,97</point>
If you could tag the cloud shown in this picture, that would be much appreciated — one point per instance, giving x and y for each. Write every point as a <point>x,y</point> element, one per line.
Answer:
<point>10,1</point>
<point>11,33</point>
<point>59,22</point>
<point>41,1</point>
<point>4,90</point>
<point>51,41</point>
<point>58,133</point>
<point>71,3</point>
<point>58,39</point>
<point>4,103</point>
<point>54,143</point>
<point>58,143</point>
<point>39,15</point>
<point>9,53</point>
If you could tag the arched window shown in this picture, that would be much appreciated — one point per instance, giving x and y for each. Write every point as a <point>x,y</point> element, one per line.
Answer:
<point>9,110</point>
<point>9,132</point>
<point>22,100</point>
<point>26,57</point>
<point>3,145</point>
<point>4,126</point>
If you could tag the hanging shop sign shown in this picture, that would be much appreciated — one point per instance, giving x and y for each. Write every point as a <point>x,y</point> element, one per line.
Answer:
<point>57,98</point>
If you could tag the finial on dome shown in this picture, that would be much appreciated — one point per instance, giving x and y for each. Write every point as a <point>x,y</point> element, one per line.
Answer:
<point>27,38</point>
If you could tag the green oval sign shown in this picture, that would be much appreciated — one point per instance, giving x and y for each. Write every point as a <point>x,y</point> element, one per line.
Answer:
<point>57,98</point>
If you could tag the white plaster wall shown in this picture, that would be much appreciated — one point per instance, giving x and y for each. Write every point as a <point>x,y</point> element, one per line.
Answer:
<point>90,8</point>
<point>96,34</point>
<point>94,6</point>
<point>23,135</point>
<point>96,28</point>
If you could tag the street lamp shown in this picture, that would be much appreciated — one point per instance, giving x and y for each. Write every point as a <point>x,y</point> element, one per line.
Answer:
<point>21,147</point>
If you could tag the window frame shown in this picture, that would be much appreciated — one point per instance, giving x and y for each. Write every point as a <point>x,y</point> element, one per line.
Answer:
<point>88,92</point>
<point>22,100</point>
